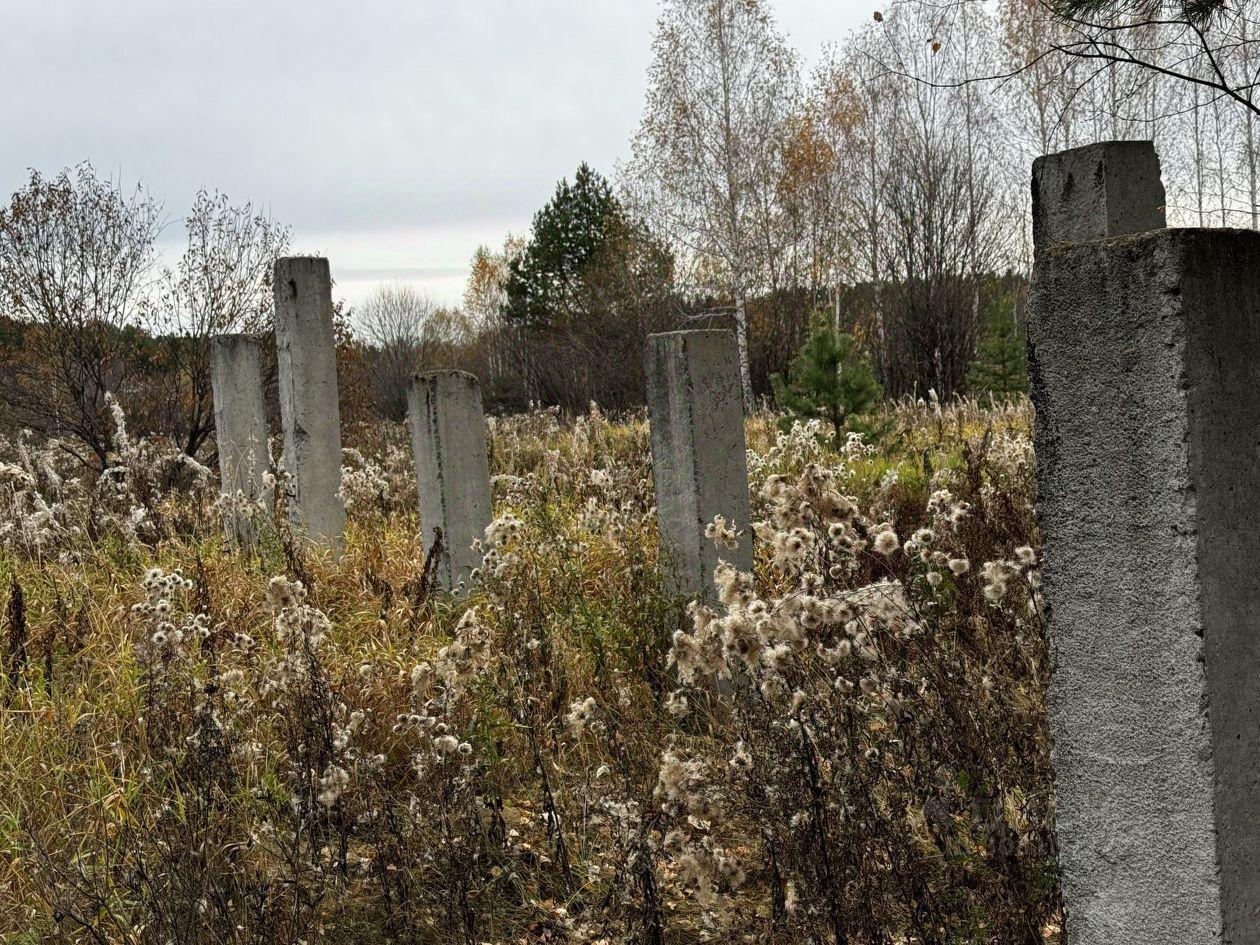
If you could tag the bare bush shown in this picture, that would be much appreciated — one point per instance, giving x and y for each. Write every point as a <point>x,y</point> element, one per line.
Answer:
<point>406,333</point>
<point>221,284</point>
<point>76,267</point>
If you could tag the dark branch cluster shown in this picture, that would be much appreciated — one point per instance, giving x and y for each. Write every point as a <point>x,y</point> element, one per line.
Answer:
<point>1191,11</point>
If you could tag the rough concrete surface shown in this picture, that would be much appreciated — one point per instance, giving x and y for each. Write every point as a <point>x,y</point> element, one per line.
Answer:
<point>1100,190</point>
<point>448,432</point>
<point>699,459</point>
<point>240,424</point>
<point>1145,366</point>
<point>307,362</point>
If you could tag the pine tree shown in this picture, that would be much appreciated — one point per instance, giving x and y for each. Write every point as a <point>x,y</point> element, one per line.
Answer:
<point>567,234</point>
<point>1000,367</point>
<point>581,296</point>
<point>829,379</point>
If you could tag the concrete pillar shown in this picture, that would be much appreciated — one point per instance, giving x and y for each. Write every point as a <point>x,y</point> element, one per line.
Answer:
<point>448,430</point>
<point>240,427</point>
<point>1144,354</point>
<point>699,462</point>
<point>1099,190</point>
<point>307,363</point>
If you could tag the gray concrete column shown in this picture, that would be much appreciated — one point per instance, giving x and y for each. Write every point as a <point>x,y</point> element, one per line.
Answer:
<point>307,363</point>
<point>1099,190</point>
<point>1144,354</point>
<point>699,460</point>
<point>448,430</point>
<point>240,427</point>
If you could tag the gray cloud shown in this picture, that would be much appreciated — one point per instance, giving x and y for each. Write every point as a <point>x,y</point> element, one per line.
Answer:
<point>449,120</point>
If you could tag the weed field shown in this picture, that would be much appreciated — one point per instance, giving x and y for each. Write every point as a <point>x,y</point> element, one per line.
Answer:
<point>198,745</point>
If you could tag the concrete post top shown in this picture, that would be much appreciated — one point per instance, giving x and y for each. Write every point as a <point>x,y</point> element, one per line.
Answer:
<point>298,269</point>
<point>234,340</point>
<point>1102,190</point>
<point>430,377</point>
<point>695,340</point>
<point>1176,239</point>
<point>1087,154</point>
<point>315,263</point>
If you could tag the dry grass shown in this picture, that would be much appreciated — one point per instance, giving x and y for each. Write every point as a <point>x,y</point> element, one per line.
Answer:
<point>225,756</point>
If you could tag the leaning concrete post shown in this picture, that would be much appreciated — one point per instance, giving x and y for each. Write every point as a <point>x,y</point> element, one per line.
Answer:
<point>448,430</point>
<point>240,428</point>
<point>699,462</point>
<point>307,362</point>
<point>1144,353</point>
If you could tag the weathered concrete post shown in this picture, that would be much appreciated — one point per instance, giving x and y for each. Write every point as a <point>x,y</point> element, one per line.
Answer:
<point>699,461</point>
<point>448,430</point>
<point>1144,353</point>
<point>1099,190</point>
<point>307,363</point>
<point>240,428</point>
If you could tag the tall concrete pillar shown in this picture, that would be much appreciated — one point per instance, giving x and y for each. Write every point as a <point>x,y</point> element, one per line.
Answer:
<point>307,363</point>
<point>448,430</point>
<point>1144,354</point>
<point>240,427</point>
<point>699,460</point>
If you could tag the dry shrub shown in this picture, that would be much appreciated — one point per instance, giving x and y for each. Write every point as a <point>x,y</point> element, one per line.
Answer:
<point>200,746</point>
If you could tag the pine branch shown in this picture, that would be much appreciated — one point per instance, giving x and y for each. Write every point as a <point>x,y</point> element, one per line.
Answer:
<point>1191,11</point>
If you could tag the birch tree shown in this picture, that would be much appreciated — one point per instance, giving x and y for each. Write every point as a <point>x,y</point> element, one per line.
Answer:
<point>707,157</point>
<point>923,156</point>
<point>485,296</point>
<point>220,284</point>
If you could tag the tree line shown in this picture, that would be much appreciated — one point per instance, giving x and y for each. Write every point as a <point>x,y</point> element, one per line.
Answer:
<point>878,202</point>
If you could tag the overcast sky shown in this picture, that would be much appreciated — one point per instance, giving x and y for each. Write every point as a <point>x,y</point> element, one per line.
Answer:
<point>394,136</point>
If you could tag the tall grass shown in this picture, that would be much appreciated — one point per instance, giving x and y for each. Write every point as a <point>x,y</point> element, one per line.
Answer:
<point>199,746</point>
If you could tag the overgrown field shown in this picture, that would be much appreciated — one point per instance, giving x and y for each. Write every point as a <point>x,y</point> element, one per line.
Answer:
<point>197,746</point>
